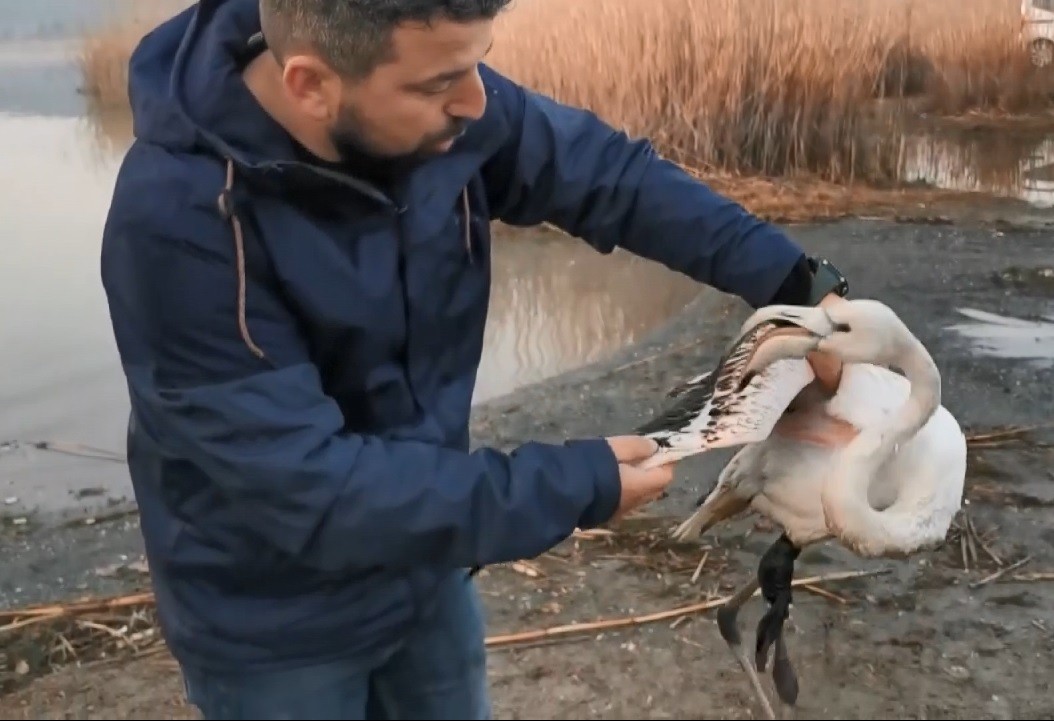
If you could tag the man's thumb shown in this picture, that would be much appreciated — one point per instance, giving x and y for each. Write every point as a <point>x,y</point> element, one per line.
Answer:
<point>631,449</point>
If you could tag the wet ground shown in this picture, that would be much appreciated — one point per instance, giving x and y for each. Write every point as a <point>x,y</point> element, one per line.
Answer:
<point>917,642</point>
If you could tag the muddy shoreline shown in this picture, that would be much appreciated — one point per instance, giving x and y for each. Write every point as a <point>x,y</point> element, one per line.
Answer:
<point>918,643</point>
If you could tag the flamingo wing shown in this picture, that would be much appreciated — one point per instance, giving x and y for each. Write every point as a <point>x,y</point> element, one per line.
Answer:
<point>717,415</point>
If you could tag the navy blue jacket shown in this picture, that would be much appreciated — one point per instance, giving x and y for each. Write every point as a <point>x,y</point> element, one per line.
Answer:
<point>298,441</point>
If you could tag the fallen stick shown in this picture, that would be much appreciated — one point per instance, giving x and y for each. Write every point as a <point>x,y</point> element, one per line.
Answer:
<point>1034,576</point>
<point>699,568</point>
<point>1001,572</point>
<point>825,593</point>
<point>76,608</point>
<point>523,637</point>
<point>1003,433</point>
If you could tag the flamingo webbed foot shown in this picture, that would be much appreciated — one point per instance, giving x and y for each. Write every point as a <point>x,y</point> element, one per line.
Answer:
<point>775,574</point>
<point>728,625</point>
<point>783,676</point>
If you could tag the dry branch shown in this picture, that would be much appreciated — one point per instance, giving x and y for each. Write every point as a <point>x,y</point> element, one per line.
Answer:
<point>630,621</point>
<point>78,608</point>
<point>1003,435</point>
<point>1000,573</point>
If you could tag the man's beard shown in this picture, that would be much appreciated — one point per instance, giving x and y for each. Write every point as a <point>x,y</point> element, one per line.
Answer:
<point>363,158</point>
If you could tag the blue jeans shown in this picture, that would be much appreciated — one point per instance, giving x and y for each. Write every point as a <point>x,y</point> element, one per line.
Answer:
<point>439,673</point>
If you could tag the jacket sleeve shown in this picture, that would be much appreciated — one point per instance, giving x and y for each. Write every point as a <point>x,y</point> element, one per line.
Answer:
<point>565,166</point>
<point>271,441</point>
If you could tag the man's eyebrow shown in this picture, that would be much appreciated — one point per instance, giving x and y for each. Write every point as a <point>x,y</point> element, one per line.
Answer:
<point>452,74</point>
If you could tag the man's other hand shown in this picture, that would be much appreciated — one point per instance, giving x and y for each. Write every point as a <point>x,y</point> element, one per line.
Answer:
<point>639,486</point>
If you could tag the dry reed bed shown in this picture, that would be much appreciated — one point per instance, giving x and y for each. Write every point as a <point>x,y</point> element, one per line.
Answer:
<point>770,87</point>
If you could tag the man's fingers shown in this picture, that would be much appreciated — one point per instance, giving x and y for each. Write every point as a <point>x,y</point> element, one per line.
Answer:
<point>828,369</point>
<point>632,449</point>
<point>641,487</point>
<point>663,476</point>
<point>653,480</point>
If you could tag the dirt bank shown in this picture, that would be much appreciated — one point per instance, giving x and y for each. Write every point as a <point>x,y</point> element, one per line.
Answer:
<point>917,642</point>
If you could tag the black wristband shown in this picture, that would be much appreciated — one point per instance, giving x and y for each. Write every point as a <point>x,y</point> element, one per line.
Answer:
<point>809,282</point>
<point>826,279</point>
<point>797,286</point>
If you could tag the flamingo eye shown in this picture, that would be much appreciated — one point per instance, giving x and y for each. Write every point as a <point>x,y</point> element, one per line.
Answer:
<point>842,328</point>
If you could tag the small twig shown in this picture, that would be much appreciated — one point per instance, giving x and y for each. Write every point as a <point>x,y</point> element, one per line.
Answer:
<point>825,593</point>
<point>630,621</point>
<point>592,534</point>
<point>152,650</point>
<point>65,643</point>
<point>100,627</point>
<point>77,608</point>
<point>699,569</point>
<point>981,541</point>
<point>971,543</point>
<point>1003,434</point>
<point>526,569</point>
<point>23,622</point>
<point>1033,577</point>
<point>1000,573</point>
<point>73,449</point>
<point>542,643</point>
<point>690,642</point>
<point>639,558</point>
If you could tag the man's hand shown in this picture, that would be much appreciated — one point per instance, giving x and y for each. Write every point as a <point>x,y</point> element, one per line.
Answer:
<point>639,487</point>
<point>828,369</point>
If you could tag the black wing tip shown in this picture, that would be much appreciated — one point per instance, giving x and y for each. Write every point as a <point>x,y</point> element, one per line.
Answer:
<point>702,381</point>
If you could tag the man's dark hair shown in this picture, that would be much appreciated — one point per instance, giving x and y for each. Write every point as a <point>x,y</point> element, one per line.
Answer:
<point>354,36</point>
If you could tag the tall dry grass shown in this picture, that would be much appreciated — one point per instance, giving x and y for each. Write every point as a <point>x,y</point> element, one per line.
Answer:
<point>773,87</point>
<point>770,87</point>
<point>104,54</point>
<point>103,63</point>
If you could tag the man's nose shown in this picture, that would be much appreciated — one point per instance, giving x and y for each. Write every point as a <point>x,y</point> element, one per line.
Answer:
<point>471,100</point>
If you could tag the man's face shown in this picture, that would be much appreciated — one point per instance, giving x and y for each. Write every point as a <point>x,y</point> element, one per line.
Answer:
<point>411,107</point>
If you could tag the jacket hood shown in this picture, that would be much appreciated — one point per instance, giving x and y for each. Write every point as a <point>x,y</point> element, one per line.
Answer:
<point>186,91</point>
<point>185,86</point>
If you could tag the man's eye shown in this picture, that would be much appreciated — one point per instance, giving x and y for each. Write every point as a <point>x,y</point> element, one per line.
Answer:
<point>436,88</point>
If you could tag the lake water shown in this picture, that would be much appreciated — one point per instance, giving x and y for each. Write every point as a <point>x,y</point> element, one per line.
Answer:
<point>1007,164</point>
<point>556,303</point>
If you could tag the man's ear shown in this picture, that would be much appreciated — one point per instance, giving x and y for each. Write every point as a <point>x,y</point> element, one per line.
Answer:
<point>313,87</point>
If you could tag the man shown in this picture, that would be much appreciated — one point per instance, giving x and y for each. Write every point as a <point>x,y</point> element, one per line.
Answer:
<point>297,265</point>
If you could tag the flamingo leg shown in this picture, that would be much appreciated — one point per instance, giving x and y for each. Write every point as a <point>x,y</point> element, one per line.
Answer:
<point>727,624</point>
<point>784,677</point>
<point>775,573</point>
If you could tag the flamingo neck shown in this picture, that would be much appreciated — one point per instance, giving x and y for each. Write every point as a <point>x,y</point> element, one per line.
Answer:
<point>850,515</point>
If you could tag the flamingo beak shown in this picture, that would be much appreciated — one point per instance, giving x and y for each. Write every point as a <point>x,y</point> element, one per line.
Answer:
<point>809,326</point>
<point>813,319</point>
<point>780,345</point>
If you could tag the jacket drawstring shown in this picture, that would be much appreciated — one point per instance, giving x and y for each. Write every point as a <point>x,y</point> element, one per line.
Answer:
<point>468,224</point>
<point>225,202</point>
<point>226,206</point>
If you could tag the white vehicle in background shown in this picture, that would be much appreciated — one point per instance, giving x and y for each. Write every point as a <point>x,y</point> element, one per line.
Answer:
<point>1037,17</point>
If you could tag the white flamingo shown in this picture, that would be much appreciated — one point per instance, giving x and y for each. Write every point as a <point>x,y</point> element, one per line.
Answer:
<point>878,466</point>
